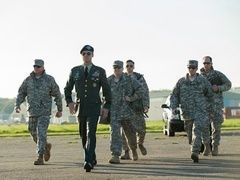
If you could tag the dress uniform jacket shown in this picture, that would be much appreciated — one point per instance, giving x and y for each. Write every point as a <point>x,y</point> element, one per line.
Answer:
<point>87,89</point>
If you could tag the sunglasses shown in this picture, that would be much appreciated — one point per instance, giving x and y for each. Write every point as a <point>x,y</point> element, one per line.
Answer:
<point>191,67</point>
<point>129,66</point>
<point>86,53</point>
<point>35,66</point>
<point>206,63</point>
<point>117,67</point>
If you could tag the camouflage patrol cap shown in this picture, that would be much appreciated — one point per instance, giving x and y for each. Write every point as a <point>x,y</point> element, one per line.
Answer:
<point>193,63</point>
<point>118,63</point>
<point>87,48</point>
<point>38,62</point>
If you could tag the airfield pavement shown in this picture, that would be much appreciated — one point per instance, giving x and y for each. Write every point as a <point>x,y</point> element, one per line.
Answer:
<point>167,158</point>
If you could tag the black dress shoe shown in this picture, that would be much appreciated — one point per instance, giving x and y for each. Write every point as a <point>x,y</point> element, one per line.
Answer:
<point>88,166</point>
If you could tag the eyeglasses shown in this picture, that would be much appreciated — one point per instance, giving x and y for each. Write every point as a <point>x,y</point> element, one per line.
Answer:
<point>117,67</point>
<point>191,67</point>
<point>207,63</point>
<point>35,66</point>
<point>86,53</point>
<point>129,66</point>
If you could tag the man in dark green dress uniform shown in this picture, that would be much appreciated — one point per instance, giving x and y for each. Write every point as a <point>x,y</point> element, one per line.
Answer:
<point>88,80</point>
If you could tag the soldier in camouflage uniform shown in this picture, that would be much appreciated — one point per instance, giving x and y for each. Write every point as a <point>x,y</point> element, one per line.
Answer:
<point>39,88</point>
<point>124,91</point>
<point>141,107</point>
<point>194,95</point>
<point>88,79</point>
<point>219,83</point>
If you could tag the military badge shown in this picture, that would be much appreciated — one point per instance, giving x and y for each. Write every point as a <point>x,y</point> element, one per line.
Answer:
<point>96,74</point>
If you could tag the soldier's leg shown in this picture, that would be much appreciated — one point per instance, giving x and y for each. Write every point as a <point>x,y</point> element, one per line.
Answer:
<point>130,133</point>
<point>42,126</point>
<point>82,129</point>
<point>90,145</point>
<point>206,136</point>
<point>140,126</point>
<point>189,128</point>
<point>32,128</point>
<point>115,139</point>
<point>216,131</point>
<point>197,139</point>
<point>124,142</point>
<point>126,154</point>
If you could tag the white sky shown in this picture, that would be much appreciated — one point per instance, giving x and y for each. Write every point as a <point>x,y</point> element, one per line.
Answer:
<point>159,35</point>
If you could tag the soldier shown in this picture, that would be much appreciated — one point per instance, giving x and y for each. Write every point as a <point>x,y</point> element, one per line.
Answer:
<point>193,92</point>
<point>88,79</point>
<point>141,108</point>
<point>124,91</point>
<point>219,83</point>
<point>39,88</point>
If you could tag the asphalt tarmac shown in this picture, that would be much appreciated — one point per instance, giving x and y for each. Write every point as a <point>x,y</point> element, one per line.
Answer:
<point>167,158</point>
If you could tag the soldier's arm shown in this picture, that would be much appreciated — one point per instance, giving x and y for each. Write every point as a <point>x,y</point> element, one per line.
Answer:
<point>68,89</point>
<point>226,83</point>
<point>55,92</point>
<point>146,97</point>
<point>22,93</point>
<point>106,90</point>
<point>138,90</point>
<point>175,96</point>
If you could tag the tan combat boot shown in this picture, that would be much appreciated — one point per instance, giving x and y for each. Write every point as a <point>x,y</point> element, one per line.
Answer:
<point>126,155</point>
<point>134,155</point>
<point>48,154</point>
<point>39,161</point>
<point>207,150</point>
<point>114,160</point>
<point>215,150</point>
<point>142,149</point>
<point>194,156</point>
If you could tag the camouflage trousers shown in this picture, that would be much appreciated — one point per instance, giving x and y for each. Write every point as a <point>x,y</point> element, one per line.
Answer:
<point>116,135</point>
<point>216,124</point>
<point>37,126</point>
<point>139,125</point>
<point>197,131</point>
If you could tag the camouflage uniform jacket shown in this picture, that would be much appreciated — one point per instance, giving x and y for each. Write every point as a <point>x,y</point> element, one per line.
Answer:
<point>39,93</point>
<point>145,99</point>
<point>194,97</point>
<point>217,78</point>
<point>126,86</point>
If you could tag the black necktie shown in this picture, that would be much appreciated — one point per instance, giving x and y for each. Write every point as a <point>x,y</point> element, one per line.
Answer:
<point>86,71</point>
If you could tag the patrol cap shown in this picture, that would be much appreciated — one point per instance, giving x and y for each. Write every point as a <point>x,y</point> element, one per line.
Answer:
<point>87,48</point>
<point>192,63</point>
<point>38,62</point>
<point>118,63</point>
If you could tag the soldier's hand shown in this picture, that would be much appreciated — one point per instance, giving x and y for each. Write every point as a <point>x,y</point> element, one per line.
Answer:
<point>105,113</point>
<point>211,115</point>
<point>71,107</point>
<point>174,111</point>
<point>127,99</point>
<point>17,109</point>
<point>215,88</point>
<point>58,114</point>
<point>145,109</point>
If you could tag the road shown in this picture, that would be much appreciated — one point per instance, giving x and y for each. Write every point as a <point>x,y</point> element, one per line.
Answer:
<point>167,158</point>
